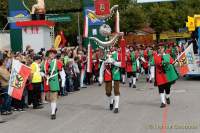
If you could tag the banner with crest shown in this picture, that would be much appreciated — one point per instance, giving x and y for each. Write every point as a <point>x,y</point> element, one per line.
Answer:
<point>18,78</point>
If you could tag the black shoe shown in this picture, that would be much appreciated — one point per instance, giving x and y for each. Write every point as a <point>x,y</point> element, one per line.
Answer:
<point>38,107</point>
<point>123,83</point>
<point>150,81</point>
<point>9,112</point>
<point>155,84</point>
<point>116,110</point>
<point>56,110</point>
<point>134,86</point>
<point>2,121</point>
<point>147,79</point>
<point>53,117</point>
<point>162,105</point>
<point>130,84</point>
<point>111,106</point>
<point>168,100</point>
<point>84,87</point>
<point>4,113</point>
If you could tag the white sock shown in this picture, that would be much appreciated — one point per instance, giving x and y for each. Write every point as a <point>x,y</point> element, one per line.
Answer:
<point>113,82</point>
<point>82,78</point>
<point>167,95</point>
<point>116,101</point>
<point>130,80</point>
<point>162,98</point>
<point>150,78</point>
<point>123,78</point>
<point>111,99</point>
<point>53,108</point>
<point>137,75</point>
<point>152,70</point>
<point>134,80</point>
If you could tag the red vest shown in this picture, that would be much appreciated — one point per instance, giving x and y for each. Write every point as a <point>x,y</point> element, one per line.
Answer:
<point>137,54</point>
<point>96,65</point>
<point>145,54</point>
<point>107,73</point>
<point>168,51</point>
<point>160,75</point>
<point>46,67</point>
<point>129,63</point>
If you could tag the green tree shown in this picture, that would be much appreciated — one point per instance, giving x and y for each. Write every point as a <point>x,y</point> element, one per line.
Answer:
<point>3,13</point>
<point>132,16</point>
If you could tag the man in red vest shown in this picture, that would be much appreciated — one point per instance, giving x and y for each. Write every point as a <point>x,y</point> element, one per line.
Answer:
<point>166,75</point>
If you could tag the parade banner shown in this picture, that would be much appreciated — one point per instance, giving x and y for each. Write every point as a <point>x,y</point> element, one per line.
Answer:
<point>57,41</point>
<point>85,32</point>
<point>186,60</point>
<point>191,24</point>
<point>18,78</point>
<point>18,15</point>
<point>151,1</point>
<point>123,52</point>
<point>92,20</point>
<point>102,7</point>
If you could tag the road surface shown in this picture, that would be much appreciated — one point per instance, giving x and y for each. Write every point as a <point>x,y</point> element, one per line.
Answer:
<point>86,112</point>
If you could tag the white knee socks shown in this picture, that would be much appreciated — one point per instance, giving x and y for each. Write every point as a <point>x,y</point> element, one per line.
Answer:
<point>134,80</point>
<point>162,98</point>
<point>167,95</point>
<point>53,108</point>
<point>130,80</point>
<point>116,102</point>
<point>123,78</point>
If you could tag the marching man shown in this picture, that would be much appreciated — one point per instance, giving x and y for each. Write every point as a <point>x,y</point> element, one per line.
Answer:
<point>131,67</point>
<point>166,75</point>
<point>151,54</point>
<point>110,73</point>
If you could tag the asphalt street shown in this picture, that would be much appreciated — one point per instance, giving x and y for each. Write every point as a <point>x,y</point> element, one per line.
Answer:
<point>86,112</point>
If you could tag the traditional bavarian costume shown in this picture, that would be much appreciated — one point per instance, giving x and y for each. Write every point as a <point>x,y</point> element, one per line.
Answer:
<point>110,70</point>
<point>52,69</point>
<point>131,68</point>
<point>166,75</point>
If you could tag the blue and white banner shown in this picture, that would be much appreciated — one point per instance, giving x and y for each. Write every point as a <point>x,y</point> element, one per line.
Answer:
<point>151,1</point>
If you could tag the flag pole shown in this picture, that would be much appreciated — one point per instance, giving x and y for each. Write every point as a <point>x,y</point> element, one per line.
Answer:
<point>180,55</point>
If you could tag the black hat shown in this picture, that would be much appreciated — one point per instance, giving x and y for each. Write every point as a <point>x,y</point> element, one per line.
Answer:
<point>36,57</point>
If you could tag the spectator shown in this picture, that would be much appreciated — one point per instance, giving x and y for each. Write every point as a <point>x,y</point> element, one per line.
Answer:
<point>76,74</point>
<point>36,80</point>
<point>4,78</point>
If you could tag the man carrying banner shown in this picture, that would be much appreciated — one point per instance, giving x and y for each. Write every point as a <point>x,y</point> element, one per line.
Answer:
<point>166,75</point>
<point>151,54</point>
<point>131,67</point>
<point>110,70</point>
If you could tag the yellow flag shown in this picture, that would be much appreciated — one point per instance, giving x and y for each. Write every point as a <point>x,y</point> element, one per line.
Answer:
<point>57,41</point>
<point>197,20</point>
<point>190,24</point>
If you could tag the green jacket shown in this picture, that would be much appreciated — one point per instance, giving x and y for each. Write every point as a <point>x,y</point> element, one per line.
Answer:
<point>116,74</point>
<point>134,63</point>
